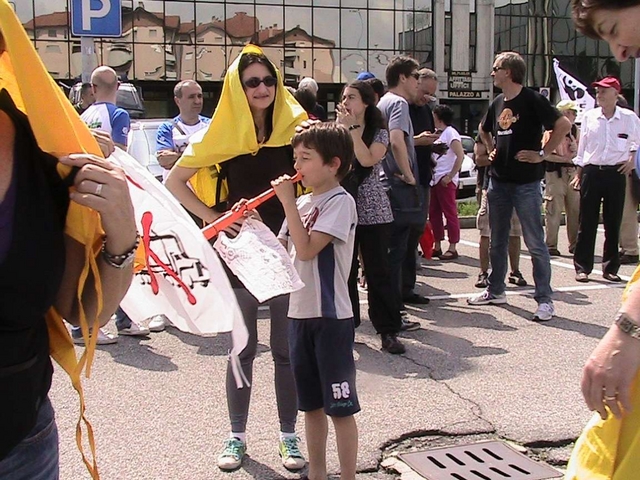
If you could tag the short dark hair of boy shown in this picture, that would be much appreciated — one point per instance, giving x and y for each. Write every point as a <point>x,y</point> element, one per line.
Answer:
<point>444,113</point>
<point>330,140</point>
<point>513,62</point>
<point>401,65</point>
<point>377,86</point>
<point>582,12</point>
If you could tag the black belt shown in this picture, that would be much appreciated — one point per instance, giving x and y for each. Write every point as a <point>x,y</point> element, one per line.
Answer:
<point>605,167</point>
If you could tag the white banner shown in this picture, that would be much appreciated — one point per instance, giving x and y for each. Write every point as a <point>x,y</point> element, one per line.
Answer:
<point>183,278</point>
<point>572,89</point>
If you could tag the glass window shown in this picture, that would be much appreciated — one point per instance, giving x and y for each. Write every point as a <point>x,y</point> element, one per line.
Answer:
<point>241,23</point>
<point>354,28</point>
<point>209,25</point>
<point>352,62</point>
<point>24,10</point>
<point>381,31</point>
<point>210,62</point>
<point>296,2</point>
<point>185,15</point>
<point>118,54</point>
<point>186,62</point>
<point>297,17</point>
<point>149,16</point>
<point>149,62</point>
<point>326,24</point>
<point>354,3</point>
<point>271,20</point>
<point>55,56</point>
<point>378,61</point>
<point>326,65</point>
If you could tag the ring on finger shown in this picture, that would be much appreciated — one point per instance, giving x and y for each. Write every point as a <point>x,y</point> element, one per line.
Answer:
<point>99,189</point>
<point>610,398</point>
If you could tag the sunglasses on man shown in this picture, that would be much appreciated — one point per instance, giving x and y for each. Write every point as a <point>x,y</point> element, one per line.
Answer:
<point>254,82</point>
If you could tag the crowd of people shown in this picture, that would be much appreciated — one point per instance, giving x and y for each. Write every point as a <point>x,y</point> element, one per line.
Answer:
<point>389,164</point>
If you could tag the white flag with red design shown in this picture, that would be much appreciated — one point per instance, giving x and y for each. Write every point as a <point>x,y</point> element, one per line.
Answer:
<point>183,278</point>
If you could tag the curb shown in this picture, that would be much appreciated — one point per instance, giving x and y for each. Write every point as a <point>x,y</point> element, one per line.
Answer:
<point>470,222</point>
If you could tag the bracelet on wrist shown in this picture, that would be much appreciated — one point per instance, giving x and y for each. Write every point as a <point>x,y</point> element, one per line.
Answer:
<point>123,260</point>
<point>354,127</point>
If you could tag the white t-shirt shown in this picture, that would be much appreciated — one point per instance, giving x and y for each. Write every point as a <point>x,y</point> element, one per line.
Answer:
<point>325,293</point>
<point>108,118</point>
<point>175,135</point>
<point>445,163</point>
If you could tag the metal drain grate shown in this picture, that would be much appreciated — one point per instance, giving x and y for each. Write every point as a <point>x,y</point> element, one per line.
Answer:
<point>491,460</point>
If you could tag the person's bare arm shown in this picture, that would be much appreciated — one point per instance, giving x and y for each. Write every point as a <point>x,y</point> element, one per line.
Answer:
<point>167,158</point>
<point>456,146</point>
<point>487,140</point>
<point>176,183</point>
<point>367,156</point>
<point>116,214</point>
<point>401,156</point>
<point>480,155</point>
<point>425,139</point>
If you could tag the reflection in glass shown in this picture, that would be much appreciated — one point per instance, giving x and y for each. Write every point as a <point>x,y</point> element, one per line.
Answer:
<point>297,17</point>
<point>24,10</point>
<point>352,62</point>
<point>353,28</point>
<point>271,21</point>
<point>326,24</point>
<point>380,35</point>
<point>354,3</point>
<point>55,56</point>
<point>326,65</point>
<point>378,61</point>
<point>241,23</point>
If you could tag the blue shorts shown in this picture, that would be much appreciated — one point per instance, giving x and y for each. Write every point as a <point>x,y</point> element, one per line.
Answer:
<point>321,352</point>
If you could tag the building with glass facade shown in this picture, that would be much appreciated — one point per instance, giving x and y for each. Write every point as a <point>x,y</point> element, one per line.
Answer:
<point>332,41</point>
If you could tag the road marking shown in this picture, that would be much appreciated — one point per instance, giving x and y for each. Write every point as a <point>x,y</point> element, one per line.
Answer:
<point>553,262</point>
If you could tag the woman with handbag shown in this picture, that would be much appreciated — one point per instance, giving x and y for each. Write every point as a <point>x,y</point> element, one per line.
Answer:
<point>358,112</point>
<point>444,184</point>
<point>246,146</point>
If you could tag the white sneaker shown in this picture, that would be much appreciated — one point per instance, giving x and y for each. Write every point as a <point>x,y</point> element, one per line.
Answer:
<point>232,455</point>
<point>158,323</point>
<point>104,338</point>
<point>544,313</point>
<point>487,298</point>
<point>134,330</point>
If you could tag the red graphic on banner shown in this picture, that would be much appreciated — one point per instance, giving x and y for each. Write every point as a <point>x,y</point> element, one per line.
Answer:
<point>147,220</point>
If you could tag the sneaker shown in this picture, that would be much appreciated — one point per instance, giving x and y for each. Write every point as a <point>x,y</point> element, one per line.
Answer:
<point>157,323</point>
<point>516,278</point>
<point>104,338</point>
<point>487,298</point>
<point>408,325</point>
<point>544,313</point>
<point>391,344</point>
<point>232,455</point>
<point>290,454</point>
<point>483,280</point>
<point>134,330</point>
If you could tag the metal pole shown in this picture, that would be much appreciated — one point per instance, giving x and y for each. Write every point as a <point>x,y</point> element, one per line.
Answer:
<point>636,87</point>
<point>88,50</point>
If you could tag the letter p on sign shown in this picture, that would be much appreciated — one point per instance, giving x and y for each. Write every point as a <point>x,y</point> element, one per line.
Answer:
<point>96,18</point>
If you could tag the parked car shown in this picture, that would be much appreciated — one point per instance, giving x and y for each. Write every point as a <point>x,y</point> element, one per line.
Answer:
<point>468,175</point>
<point>142,144</point>
<point>467,145</point>
<point>128,98</point>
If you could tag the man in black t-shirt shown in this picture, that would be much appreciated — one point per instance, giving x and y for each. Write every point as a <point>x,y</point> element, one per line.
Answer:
<point>516,120</point>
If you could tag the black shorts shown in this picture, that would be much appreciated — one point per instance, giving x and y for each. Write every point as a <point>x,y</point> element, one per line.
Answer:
<point>321,352</point>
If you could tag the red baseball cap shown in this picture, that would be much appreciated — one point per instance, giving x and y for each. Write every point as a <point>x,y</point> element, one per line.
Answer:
<point>608,82</point>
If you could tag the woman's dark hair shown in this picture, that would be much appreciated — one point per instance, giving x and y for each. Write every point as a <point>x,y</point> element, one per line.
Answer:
<point>306,98</point>
<point>444,113</point>
<point>582,12</point>
<point>373,119</point>
<point>249,59</point>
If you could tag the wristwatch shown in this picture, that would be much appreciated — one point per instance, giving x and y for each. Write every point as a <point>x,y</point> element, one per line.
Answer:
<point>627,325</point>
<point>542,154</point>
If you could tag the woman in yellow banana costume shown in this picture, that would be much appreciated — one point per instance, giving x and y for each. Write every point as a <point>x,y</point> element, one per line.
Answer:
<point>53,263</point>
<point>247,145</point>
<point>609,446</point>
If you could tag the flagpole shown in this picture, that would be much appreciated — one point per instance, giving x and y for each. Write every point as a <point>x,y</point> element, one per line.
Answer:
<point>636,87</point>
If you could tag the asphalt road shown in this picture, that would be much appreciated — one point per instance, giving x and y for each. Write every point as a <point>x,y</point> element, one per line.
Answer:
<point>158,406</point>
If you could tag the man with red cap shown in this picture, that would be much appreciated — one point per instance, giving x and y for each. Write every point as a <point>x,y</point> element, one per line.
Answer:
<point>610,136</point>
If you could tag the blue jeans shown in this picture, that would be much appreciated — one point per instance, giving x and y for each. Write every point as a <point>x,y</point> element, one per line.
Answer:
<point>37,456</point>
<point>527,200</point>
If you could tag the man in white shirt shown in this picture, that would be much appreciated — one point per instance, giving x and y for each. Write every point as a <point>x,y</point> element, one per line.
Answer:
<point>609,136</point>
<point>173,136</point>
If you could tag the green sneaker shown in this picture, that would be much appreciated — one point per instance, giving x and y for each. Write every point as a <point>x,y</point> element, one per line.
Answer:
<point>292,458</point>
<point>232,455</point>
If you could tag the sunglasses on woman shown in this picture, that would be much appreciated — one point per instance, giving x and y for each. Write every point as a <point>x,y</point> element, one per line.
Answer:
<point>254,82</point>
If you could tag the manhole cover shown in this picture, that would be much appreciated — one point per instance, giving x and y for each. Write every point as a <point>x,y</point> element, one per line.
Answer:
<point>477,461</point>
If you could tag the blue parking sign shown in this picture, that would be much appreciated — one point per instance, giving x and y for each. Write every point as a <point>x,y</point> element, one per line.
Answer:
<point>96,18</point>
